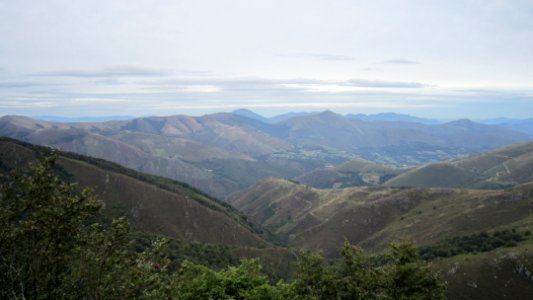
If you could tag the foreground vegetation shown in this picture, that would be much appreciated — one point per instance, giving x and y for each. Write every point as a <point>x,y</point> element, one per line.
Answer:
<point>54,245</point>
<point>481,242</point>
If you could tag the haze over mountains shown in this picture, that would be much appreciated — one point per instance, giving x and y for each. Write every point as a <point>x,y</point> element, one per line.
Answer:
<point>261,129</point>
<point>387,203</point>
<point>226,152</point>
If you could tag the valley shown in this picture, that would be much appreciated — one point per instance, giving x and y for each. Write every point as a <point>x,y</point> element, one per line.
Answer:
<point>226,152</point>
<point>291,185</point>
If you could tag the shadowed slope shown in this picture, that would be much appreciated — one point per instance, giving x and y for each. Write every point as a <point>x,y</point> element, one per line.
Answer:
<point>153,204</point>
<point>374,216</point>
<point>223,153</point>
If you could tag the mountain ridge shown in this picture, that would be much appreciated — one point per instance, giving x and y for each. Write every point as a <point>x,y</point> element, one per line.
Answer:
<point>371,217</point>
<point>153,204</point>
<point>224,152</point>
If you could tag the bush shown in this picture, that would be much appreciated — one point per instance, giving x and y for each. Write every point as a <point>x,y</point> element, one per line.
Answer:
<point>480,242</point>
<point>53,247</point>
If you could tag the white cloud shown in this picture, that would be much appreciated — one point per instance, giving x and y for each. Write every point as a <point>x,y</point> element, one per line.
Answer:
<point>267,53</point>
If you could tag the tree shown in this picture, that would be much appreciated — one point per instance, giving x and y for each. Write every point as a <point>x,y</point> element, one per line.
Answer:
<point>52,248</point>
<point>313,280</point>
<point>242,282</point>
<point>397,275</point>
<point>409,278</point>
<point>360,276</point>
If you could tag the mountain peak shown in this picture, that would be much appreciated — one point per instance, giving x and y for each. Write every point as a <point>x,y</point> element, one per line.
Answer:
<point>243,112</point>
<point>329,114</point>
<point>462,122</point>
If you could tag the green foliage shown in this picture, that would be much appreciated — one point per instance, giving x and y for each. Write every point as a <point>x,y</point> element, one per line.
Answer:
<point>159,181</point>
<point>242,282</point>
<point>214,256</point>
<point>480,242</point>
<point>313,279</point>
<point>398,275</point>
<point>408,278</point>
<point>51,249</point>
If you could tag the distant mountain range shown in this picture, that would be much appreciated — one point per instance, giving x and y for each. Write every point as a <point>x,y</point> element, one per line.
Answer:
<point>381,117</point>
<point>392,117</point>
<point>522,125</point>
<point>226,152</point>
<point>82,119</point>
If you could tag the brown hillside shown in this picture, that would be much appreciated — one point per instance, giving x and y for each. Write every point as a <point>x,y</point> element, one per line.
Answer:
<point>374,216</point>
<point>503,167</point>
<point>224,152</point>
<point>356,172</point>
<point>171,210</point>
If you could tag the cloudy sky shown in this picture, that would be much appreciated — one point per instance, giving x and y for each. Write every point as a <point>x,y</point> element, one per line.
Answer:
<point>442,59</point>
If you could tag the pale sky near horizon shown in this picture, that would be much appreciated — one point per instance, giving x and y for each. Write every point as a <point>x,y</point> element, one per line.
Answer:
<point>439,59</point>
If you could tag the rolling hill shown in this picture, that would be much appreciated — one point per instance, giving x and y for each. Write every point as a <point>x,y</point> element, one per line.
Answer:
<point>226,152</point>
<point>319,219</point>
<point>504,273</point>
<point>500,168</point>
<point>373,216</point>
<point>398,143</point>
<point>153,204</point>
<point>356,172</point>
<point>192,150</point>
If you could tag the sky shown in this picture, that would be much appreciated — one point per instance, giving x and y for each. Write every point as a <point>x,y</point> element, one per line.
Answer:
<point>439,59</point>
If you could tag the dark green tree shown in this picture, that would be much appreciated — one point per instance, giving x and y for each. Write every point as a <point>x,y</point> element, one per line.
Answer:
<point>359,276</point>
<point>313,280</point>
<point>242,282</point>
<point>409,278</point>
<point>52,248</point>
<point>396,275</point>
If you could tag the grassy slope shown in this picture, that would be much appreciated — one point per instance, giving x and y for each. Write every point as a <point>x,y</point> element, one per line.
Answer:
<point>203,151</point>
<point>500,168</point>
<point>153,204</point>
<point>199,151</point>
<point>374,216</point>
<point>356,172</point>
<point>505,273</point>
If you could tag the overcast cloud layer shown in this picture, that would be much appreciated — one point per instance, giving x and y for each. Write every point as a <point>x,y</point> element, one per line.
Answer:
<point>443,59</point>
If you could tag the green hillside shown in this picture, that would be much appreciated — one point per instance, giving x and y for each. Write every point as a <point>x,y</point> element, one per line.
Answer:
<point>500,168</point>
<point>153,204</point>
<point>317,219</point>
